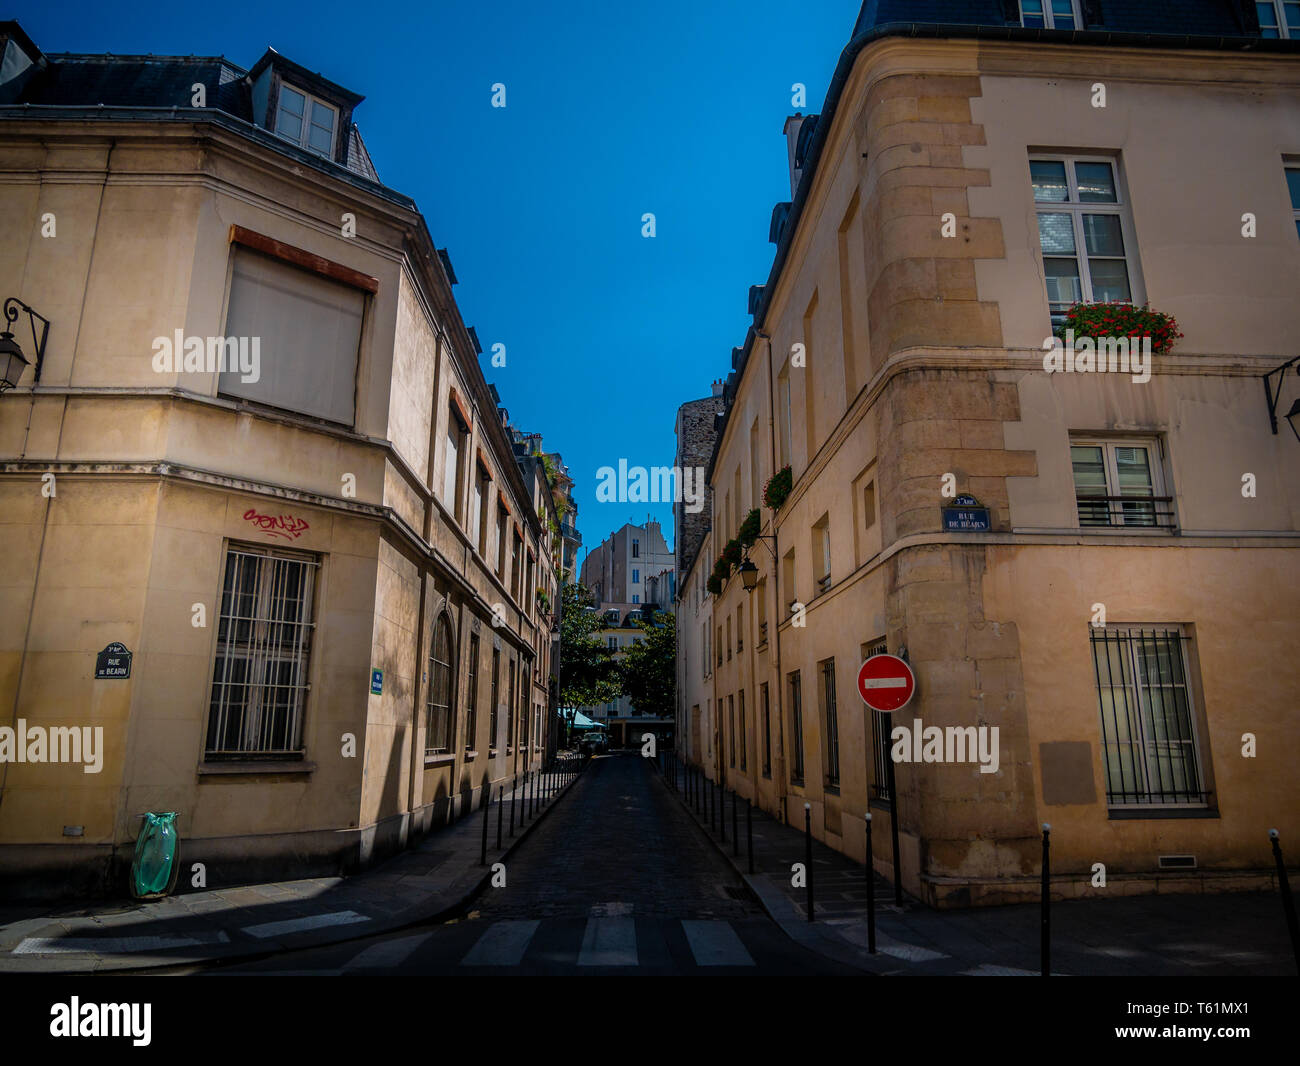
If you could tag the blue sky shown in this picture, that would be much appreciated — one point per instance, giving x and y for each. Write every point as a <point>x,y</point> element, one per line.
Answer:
<point>613,110</point>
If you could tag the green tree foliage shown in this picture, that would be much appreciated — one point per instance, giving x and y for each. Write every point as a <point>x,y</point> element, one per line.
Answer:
<point>650,668</point>
<point>588,673</point>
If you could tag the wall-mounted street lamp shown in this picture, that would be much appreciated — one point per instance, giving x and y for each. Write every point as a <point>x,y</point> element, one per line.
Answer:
<point>748,571</point>
<point>12,361</point>
<point>1293,415</point>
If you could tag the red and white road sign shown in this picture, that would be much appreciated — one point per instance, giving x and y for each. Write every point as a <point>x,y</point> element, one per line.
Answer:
<point>886,683</point>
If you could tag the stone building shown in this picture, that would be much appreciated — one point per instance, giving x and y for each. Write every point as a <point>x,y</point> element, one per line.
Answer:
<point>616,569</point>
<point>1114,595</point>
<point>312,544</point>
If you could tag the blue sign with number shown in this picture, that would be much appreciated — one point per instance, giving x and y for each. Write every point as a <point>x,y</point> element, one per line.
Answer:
<point>376,682</point>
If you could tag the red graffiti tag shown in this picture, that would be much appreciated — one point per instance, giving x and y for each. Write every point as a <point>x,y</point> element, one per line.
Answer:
<point>281,525</point>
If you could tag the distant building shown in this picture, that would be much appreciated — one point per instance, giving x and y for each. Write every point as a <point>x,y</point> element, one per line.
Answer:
<point>616,569</point>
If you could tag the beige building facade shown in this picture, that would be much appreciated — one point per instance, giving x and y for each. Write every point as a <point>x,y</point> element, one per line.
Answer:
<point>1135,658</point>
<point>326,572</point>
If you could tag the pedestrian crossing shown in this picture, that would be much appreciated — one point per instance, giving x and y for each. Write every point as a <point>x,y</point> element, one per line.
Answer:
<point>619,943</point>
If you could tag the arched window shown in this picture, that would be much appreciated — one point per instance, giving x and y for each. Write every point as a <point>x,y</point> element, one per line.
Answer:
<point>440,717</point>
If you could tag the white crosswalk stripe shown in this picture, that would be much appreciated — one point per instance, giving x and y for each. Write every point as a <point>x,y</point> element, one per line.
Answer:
<point>608,942</point>
<point>715,943</point>
<point>502,944</point>
<point>387,954</point>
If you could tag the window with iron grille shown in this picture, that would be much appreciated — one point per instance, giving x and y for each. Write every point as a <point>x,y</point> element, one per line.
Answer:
<point>881,723</point>
<point>439,715</point>
<point>259,677</point>
<point>494,712</point>
<point>767,733</point>
<point>1148,723</point>
<point>744,756</point>
<point>471,706</point>
<point>510,709</point>
<point>796,729</point>
<point>731,730</point>
<point>830,716</point>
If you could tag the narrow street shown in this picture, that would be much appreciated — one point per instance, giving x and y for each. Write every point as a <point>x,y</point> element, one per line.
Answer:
<point>616,880</point>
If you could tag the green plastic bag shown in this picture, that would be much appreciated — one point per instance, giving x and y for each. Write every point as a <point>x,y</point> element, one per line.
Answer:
<point>154,869</point>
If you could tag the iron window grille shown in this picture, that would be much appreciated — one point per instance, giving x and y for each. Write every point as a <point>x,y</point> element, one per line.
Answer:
<point>744,759</point>
<point>1148,728</point>
<point>767,734</point>
<point>260,671</point>
<point>796,729</point>
<point>471,706</point>
<point>881,723</point>
<point>832,724</point>
<point>494,713</point>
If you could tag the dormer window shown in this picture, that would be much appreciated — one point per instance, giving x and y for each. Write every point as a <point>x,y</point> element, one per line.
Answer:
<point>1049,14</point>
<point>306,120</point>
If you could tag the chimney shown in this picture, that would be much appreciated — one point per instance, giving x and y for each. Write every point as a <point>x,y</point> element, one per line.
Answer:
<point>795,126</point>
<point>717,387</point>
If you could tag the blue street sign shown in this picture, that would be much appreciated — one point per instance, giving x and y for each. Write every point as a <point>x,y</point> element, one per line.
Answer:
<point>376,682</point>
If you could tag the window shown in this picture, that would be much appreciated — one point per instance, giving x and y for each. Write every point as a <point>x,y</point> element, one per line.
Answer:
<point>760,593</point>
<point>1293,187</point>
<point>612,642</point>
<point>1083,231</point>
<point>731,730</point>
<point>453,477</point>
<point>755,485</point>
<point>307,331</point>
<point>636,549</point>
<point>740,629</point>
<point>516,571</point>
<point>636,577</point>
<point>482,501</point>
<point>1049,14</point>
<point>744,759</point>
<point>821,547</point>
<point>1147,730</point>
<point>259,676</point>
<point>439,718</point>
<point>306,120</point>
<point>494,711</point>
<point>503,520</point>
<point>510,709</point>
<point>719,645</point>
<point>767,730</point>
<point>787,580</point>
<point>881,723</point>
<point>796,730</point>
<point>783,414</point>
<point>471,706</point>
<point>831,722</point>
<point>728,638</point>
<point>1273,23</point>
<point>1116,483</point>
<point>636,597</point>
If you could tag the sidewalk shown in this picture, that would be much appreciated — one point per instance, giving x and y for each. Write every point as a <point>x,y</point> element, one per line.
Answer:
<point>437,878</point>
<point>1237,934</point>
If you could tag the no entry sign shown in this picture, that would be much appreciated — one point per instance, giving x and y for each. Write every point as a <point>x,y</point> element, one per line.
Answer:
<point>886,683</point>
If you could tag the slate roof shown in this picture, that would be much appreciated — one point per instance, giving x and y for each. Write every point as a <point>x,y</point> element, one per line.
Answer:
<point>72,79</point>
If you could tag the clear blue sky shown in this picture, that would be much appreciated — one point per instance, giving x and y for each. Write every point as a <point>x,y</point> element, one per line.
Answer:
<point>613,110</point>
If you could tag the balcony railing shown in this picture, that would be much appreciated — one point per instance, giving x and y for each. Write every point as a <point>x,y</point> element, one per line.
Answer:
<point>1153,512</point>
<point>762,633</point>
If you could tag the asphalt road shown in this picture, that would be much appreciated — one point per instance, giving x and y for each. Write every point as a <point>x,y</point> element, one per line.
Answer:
<point>617,880</point>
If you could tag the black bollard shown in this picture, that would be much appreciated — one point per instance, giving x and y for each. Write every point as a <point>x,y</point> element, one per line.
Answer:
<point>487,810</point>
<point>1045,921</point>
<point>894,808</point>
<point>1288,903</point>
<point>514,798</point>
<point>871,893</point>
<point>501,795</point>
<point>807,856</point>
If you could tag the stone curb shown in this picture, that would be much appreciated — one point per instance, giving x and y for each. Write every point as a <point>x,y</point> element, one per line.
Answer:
<point>453,901</point>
